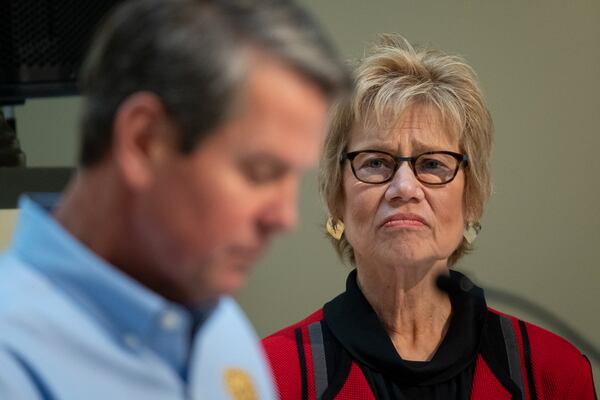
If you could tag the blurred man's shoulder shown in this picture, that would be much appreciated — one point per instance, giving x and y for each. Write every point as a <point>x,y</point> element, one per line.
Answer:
<point>35,314</point>
<point>19,285</point>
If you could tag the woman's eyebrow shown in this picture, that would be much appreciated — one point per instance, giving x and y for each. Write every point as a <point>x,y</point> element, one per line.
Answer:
<point>417,147</point>
<point>378,145</point>
<point>420,148</point>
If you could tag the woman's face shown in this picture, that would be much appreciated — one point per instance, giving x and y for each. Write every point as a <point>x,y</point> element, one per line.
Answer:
<point>404,222</point>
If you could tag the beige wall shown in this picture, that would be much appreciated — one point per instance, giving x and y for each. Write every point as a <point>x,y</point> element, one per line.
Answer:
<point>538,62</point>
<point>8,219</point>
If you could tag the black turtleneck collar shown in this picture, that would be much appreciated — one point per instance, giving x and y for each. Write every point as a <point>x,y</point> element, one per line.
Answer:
<point>356,326</point>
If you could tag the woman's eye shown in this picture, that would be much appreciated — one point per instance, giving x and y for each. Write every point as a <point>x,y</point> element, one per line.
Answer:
<point>432,164</point>
<point>375,163</point>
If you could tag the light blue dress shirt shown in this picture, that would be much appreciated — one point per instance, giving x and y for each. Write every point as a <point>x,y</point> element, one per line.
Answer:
<point>73,327</point>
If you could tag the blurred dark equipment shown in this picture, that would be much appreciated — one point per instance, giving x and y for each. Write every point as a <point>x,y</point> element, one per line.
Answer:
<point>451,284</point>
<point>42,45</point>
<point>10,150</point>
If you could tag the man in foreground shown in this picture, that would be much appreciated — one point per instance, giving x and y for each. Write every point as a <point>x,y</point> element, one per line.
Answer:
<point>199,119</point>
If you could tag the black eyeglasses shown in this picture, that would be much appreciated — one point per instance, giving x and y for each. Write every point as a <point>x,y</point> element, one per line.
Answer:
<point>431,168</point>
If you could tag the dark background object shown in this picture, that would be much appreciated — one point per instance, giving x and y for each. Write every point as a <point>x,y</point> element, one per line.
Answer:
<point>16,181</point>
<point>42,44</point>
<point>11,154</point>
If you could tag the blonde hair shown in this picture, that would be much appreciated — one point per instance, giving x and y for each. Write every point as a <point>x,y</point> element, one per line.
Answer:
<point>391,78</point>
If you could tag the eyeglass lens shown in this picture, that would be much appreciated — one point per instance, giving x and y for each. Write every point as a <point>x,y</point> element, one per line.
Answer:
<point>374,167</point>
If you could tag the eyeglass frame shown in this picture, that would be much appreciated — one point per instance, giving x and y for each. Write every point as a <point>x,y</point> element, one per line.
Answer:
<point>461,158</point>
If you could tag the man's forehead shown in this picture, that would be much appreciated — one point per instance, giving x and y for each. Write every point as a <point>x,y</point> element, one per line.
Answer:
<point>281,118</point>
<point>273,84</point>
<point>295,151</point>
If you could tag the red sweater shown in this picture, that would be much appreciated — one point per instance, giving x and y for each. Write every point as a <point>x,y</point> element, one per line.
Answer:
<point>549,364</point>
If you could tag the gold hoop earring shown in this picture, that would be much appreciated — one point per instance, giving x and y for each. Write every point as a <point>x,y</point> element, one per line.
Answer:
<point>335,229</point>
<point>471,231</point>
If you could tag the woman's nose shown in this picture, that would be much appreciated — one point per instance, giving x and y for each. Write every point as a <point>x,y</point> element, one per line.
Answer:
<point>404,185</point>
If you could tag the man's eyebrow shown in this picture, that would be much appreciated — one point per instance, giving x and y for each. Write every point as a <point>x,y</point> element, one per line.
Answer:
<point>265,160</point>
<point>263,156</point>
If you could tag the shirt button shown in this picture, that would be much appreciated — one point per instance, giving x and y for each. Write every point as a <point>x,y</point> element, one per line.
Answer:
<point>132,341</point>
<point>169,320</point>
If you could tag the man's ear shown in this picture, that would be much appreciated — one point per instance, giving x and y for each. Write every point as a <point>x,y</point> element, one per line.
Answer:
<point>143,135</point>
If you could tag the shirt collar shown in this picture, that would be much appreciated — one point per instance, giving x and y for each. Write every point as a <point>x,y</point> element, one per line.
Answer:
<point>133,314</point>
<point>356,326</point>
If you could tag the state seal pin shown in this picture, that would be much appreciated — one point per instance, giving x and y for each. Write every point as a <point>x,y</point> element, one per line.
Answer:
<point>239,384</point>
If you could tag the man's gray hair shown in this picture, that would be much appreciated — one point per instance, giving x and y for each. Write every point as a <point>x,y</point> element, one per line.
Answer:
<point>193,54</point>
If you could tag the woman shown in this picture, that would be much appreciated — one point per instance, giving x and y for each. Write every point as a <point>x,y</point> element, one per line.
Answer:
<point>405,175</point>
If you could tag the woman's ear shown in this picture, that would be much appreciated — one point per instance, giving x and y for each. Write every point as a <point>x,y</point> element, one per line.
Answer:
<point>143,135</point>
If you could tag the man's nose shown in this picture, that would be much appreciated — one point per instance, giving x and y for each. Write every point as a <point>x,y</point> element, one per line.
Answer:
<point>282,213</point>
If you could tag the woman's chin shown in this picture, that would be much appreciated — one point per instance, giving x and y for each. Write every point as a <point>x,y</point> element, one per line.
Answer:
<point>409,257</point>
